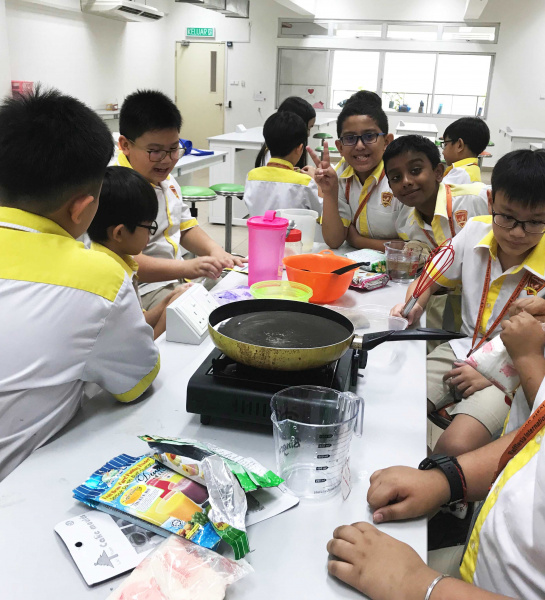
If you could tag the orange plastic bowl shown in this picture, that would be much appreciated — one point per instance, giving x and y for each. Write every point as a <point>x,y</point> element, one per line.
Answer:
<point>326,287</point>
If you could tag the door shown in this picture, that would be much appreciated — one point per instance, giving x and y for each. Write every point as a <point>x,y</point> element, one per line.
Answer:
<point>200,76</point>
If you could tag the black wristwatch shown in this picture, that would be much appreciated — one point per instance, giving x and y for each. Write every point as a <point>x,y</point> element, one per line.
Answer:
<point>453,472</point>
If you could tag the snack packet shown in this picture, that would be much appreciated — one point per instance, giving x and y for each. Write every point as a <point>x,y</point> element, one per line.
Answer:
<point>178,570</point>
<point>493,362</point>
<point>186,456</point>
<point>364,280</point>
<point>151,495</point>
<point>376,259</point>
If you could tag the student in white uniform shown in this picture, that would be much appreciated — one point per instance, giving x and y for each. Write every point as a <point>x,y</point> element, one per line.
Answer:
<point>462,143</point>
<point>433,211</point>
<point>505,554</point>
<point>69,316</point>
<point>149,124</point>
<point>121,228</point>
<point>359,206</point>
<point>278,185</point>
<point>497,259</point>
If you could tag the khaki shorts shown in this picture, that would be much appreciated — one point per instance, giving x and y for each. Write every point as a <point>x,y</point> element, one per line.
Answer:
<point>487,406</point>
<point>443,311</point>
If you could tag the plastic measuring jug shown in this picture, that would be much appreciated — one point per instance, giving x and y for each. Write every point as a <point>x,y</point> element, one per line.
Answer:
<point>266,241</point>
<point>313,428</point>
<point>305,221</point>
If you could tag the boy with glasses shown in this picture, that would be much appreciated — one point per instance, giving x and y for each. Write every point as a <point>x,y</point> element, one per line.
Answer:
<point>359,206</point>
<point>499,259</point>
<point>149,124</point>
<point>462,143</point>
<point>122,227</point>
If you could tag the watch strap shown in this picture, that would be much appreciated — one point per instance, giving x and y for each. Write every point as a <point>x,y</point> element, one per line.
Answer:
<point>452,471</point>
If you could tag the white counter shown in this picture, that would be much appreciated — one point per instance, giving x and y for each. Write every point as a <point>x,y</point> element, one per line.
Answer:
<point>288,551</point>
<point>522,138</point>
<point>428,130</point>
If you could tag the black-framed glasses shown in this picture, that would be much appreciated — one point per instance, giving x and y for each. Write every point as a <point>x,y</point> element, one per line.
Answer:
<point>152,228</point>
<point>508,222</point>
<point>445,142</point>
<point>351,139</point>
<point>159,155</point>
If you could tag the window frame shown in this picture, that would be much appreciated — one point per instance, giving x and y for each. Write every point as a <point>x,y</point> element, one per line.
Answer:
<point>380,75</point>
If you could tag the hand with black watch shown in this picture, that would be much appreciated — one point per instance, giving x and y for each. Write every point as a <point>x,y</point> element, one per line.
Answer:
<point>453,472</point>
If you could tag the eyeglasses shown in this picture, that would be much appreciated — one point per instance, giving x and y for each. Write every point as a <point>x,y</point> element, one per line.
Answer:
<point>159,155</point>
<point>366,138</point>
<point>507,222</point>
<point>152,228</point>
<point>445,142</point>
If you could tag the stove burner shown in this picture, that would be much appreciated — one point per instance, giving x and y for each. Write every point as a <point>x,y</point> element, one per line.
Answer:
<point>225,389</point>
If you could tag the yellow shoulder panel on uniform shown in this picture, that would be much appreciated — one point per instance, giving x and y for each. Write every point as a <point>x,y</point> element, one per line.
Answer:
<point>276,175</point>
<point>467,189</point>
<point>58,260</point>
<point>482,219</point>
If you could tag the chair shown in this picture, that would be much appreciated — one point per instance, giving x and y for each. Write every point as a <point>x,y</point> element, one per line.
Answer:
<point>322,136</point>
<point>483,155</point>
<point>193,194</point>
<point>228,190</point>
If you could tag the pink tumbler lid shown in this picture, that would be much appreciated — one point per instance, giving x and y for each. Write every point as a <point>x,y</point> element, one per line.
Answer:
<point>268,221</point>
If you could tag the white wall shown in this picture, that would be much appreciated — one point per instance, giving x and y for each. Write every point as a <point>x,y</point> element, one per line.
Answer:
<point>5,75</point>
<point>396,10</point>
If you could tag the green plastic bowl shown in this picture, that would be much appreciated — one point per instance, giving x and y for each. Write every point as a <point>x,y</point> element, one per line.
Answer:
<point>281,290</point>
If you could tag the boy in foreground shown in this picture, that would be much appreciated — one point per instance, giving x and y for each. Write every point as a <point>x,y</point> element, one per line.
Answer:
<point>149,124</point>
<point>70,316</point>
<point>498,259</point>
<point>505,554</point>
<point>277,185</point>
<point>122,226</point>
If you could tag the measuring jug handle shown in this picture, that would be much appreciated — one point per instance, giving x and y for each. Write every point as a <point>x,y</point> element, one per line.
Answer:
<point>358,425</point>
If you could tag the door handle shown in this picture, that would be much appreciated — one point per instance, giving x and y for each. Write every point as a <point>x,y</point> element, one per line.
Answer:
<point>219,103</point>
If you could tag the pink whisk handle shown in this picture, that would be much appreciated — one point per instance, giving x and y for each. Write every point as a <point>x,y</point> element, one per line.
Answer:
<point>409,306</point>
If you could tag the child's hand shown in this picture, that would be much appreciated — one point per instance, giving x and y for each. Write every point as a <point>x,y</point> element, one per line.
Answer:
<point>227,260</point>
<point>203,266</point>
<point>324,175</point>
<point>309,171</point>
<point>178,291</point>
<point>523,336</point>
<point>412,317</point>
<point>532,305</point>
<point>466,379</point>
<point>376,564</point>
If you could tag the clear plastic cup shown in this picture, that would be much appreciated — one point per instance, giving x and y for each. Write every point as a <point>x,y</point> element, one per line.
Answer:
<point>401,262</point>
<point>313,428</point>
<point>266,241</point>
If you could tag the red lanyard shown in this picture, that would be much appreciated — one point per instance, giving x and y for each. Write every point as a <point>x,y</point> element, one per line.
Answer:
<point>364,202</point>
<point>524,435</point>
<point>449,215</point>
<point>486,287</point>
<point>279,165</point>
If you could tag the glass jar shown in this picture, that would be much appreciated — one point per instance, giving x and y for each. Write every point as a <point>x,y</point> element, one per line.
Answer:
<point>294,245</point>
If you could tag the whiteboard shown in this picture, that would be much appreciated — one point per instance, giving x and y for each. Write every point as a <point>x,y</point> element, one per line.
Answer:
<point>303,67</point>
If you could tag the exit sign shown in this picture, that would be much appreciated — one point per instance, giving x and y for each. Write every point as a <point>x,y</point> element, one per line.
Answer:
<point>206,32</point>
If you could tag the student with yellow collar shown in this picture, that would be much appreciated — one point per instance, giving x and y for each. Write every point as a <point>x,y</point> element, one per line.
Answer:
<point>122,226</point>
<point>498,259</point>
<point>505,554</point>
<point>433,211</point>
<point>149,124</point>
<point>278,185</point>
<point>69,316</point>
<point>359,206</point>
<point>462,143</point>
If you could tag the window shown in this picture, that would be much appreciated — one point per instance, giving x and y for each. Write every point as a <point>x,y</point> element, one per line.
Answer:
<point>420,33</point>
<point>449,83</point>
<point>352,71</point>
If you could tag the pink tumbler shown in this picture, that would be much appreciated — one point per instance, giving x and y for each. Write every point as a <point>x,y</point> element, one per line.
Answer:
<point>267,237</point>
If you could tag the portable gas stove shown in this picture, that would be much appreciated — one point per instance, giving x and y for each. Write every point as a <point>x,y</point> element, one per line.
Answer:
<point>224,389</point>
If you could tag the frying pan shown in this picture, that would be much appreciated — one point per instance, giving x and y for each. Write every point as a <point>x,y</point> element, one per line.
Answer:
<point>282,335</point>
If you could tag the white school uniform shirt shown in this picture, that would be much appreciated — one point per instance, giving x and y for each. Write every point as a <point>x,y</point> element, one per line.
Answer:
<point>463,172</point>
<point>506,549</point>
<point>69,316</point>
<point>277,186</point>
<point>378,217</point>
<point>173,217</point>
<point>467,201</point>
<point>472,248</point>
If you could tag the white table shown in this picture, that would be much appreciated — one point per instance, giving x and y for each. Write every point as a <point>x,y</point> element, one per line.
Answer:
<point>242,149</point>
<point>289,555</point>
<point>536,146</point>
<point>426,129</point>
<point>522,138</point>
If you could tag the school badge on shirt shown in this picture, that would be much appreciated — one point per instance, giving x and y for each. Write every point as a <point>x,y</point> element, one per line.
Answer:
<point>173,189</point>
<point>461,217</point>
<point>535,285</point>
<point>386,199</point>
